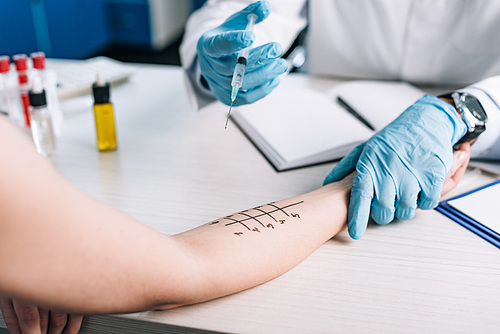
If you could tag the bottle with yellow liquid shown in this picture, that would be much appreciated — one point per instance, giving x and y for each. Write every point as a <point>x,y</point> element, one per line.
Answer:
<point>104,115</point>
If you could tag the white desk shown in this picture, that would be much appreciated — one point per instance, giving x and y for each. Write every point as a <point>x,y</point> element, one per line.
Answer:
<point>176,169</point>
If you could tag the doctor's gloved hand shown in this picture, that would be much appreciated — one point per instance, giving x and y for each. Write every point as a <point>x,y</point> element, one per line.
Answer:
<point>217,54</point>
<point>402,166</point>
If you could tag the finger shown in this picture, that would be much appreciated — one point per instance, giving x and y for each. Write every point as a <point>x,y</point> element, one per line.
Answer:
<point>212,76</point>
<point>459,157</point>
<point>57,322</point>
<point>239,20</point>
<point>461,160</point>
<point>261,55</point>
<point>251,80</point>
<point>223,94</point>
<point>28,317</point>
<point>406,200</point>
<point>258,57</point>
<point>257,93</point>
<point>463,167</point>
<point>9,316</point>
<point>346,166</point>
<point>74,324</point>
<point>383,206</point>
<point>432,184</point>
<point>360,203</point>
<point>226,43</point>
<point>44,320</point>
<point>264,74</point>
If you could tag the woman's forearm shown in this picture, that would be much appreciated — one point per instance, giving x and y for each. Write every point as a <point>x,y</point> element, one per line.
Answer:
<point>247,248</point>
<point>62,249</point>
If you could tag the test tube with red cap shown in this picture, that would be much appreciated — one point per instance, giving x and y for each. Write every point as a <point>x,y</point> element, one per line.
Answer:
<point>4,64</point>
<point>38,59</point>
<point>9,93</point>
<point>21,62</point>
<point>4,71</point>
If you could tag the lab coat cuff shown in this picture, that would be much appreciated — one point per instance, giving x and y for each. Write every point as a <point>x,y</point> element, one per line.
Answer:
<point>198,95</point>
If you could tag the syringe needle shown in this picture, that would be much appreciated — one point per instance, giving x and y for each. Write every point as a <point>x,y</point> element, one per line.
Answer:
<point>239,69</point>
<point>229,113</point>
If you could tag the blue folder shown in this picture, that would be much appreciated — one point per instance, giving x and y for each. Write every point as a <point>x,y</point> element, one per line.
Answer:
<point>466,221</point>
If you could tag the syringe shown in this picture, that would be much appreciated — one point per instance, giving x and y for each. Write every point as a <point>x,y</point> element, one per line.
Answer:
<point>239,70</point>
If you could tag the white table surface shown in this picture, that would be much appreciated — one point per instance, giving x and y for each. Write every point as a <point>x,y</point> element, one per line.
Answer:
<point>176,169</point>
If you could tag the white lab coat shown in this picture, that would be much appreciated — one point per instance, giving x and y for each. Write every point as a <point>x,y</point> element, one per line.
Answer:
<point>431,42</point>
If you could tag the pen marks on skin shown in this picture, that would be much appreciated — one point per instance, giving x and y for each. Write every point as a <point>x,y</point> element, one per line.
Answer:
<point>266,213</point>
<point>251,217</point>
<point>261,219</point>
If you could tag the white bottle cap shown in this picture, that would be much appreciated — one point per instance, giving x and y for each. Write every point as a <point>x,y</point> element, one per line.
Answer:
<point>100,81</point>
<point>37,86</point>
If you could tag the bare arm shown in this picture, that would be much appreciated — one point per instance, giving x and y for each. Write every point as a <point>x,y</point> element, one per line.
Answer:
<point>63,250</point>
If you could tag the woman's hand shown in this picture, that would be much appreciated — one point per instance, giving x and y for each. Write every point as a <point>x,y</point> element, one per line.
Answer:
<point>461,159</point>
<point>22,318</point>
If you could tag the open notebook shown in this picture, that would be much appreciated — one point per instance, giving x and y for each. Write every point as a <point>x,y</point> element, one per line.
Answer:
<point>297,127</point>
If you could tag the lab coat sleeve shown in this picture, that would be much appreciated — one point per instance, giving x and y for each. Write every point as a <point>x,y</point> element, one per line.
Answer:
<point>287,19</point>
<point>487,92</point>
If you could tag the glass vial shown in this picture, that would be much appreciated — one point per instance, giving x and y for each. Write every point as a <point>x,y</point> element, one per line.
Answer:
<point>49,81</point>
<point>21,62</point>
<point>41,122</point>
<point>9,93</point>
<point>104,115</point>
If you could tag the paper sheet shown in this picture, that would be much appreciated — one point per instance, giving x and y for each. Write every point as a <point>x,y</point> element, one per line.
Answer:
<point>379,102</point>
<point>482,206</point>
<point>298,126</point>
<point>300,123</point>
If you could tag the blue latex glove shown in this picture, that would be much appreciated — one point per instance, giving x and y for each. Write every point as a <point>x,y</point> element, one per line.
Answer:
<point>217,52</point>
<point>402,166</point>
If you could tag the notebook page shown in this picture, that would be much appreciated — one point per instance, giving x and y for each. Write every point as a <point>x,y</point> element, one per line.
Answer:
<point>300,123</point>
<point>482,206</point>
<point>379,102</point>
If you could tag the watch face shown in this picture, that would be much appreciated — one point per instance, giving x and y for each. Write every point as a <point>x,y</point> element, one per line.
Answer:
<point>475,107</point>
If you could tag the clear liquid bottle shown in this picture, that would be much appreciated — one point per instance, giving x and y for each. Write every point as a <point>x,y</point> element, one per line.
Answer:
<point>104,116</point>
<point>41,122</point>
<point>49,80</point>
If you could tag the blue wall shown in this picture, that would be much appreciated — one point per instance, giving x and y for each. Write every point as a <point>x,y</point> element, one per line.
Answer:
<point>73,28</point>
<point>16,24</point>
<point>77,28</point>
<point>60,28</point>
<point>129,23</point>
